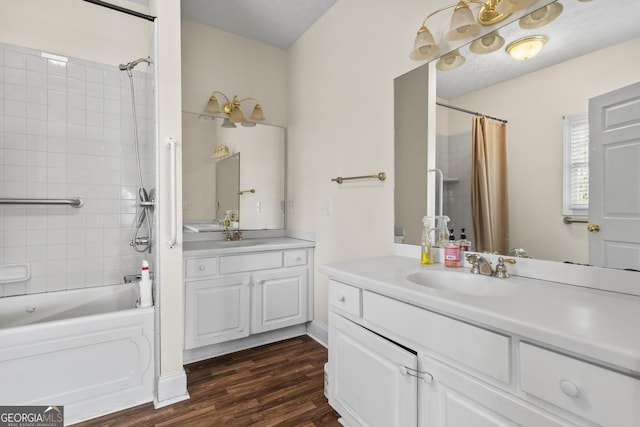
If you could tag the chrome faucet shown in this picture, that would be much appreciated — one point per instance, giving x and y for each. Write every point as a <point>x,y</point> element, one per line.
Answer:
<point>480,265</point>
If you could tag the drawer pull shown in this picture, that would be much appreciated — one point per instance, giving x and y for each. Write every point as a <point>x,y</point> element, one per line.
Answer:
<point>202,267</point>
<point>569,388</point>
<point>341,298</point>
<point>426,377</point>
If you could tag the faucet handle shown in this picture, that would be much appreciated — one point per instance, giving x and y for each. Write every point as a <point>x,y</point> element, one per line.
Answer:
<point>473,260</point>
<point>501,269</point>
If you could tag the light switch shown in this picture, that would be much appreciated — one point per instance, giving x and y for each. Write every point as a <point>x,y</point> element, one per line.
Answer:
<point>290,206</point>
<point>328,206</point>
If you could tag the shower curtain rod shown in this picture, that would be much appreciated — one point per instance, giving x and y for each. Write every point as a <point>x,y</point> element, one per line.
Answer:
<point>470,112</point>
<point>122,9</point>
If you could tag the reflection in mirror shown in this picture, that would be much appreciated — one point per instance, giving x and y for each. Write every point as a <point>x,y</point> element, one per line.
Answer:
<point>228,187</point>
<point>262,169</point>
<point>534,102</point>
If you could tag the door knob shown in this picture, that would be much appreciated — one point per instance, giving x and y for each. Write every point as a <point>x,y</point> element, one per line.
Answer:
<point>593,228</point>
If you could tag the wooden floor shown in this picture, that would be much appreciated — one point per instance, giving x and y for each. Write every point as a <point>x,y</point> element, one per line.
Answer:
<point>279,384</point>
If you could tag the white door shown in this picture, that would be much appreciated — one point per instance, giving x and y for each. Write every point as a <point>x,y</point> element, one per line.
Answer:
<point>371,379</point>
<point>614,178</point>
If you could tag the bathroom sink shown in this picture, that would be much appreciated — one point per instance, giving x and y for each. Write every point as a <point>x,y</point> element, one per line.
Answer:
<point>464,283</point>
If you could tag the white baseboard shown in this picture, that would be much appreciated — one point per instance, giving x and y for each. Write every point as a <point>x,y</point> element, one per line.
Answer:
<point>171,389</point>
<point>318,332</point>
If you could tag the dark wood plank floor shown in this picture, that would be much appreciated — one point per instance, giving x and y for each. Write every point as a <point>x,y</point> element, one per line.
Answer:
<point>278,384</point>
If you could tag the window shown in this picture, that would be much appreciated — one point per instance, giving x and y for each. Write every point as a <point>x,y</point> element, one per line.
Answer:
<point>576,165</point>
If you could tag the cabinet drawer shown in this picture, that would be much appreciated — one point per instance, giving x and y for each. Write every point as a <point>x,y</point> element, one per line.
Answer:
<point>199,267</point>
<point>293,258</point>
<point>250,262</point>
<point>483,351</point>
<point>345,298</point>
<point>595,393</point>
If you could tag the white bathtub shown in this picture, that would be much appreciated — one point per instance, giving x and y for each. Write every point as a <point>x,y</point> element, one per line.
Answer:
<point>90,350</point>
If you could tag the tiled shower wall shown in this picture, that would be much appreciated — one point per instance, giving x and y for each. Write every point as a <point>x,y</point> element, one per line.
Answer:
<point>66,131</point>
<point>453,157</point>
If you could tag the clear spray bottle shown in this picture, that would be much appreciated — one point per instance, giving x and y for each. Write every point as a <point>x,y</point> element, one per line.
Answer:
<point>427,241</point>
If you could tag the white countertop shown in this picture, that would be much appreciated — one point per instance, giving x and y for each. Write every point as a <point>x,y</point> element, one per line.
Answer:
<point>590,323</point>
<point>219,247</point>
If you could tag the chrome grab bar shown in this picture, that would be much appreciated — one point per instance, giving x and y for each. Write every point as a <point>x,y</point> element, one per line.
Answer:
<point>74,203</point>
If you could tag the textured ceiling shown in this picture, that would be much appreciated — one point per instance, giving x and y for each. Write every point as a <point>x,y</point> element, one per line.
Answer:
<point>582,27</point>
<point>277,23</point>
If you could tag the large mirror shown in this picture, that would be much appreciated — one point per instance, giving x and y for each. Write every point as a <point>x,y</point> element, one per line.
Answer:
<point>591,49</point>
<point>211,152</point>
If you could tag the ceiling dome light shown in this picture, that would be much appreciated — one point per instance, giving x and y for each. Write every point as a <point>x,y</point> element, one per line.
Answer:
<point>526,48</point>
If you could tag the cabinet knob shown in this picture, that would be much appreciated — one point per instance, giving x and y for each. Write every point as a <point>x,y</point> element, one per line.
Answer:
<point>201,267</point>
<point>569,388</point>
<point>341,298</point>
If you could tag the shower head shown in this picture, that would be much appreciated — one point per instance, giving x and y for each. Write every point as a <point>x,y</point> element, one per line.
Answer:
<point>129,66</point>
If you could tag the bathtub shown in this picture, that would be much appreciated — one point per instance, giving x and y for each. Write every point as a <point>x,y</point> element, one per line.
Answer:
<point>90,350</point>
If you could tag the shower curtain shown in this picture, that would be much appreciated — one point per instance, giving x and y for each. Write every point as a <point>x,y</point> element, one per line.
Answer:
<point>489,197</point>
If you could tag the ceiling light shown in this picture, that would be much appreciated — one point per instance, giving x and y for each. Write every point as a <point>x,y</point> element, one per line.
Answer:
<point>527,47</point>
<point>487,44</point>
<point>541,17</point>
<point>463,26</point>
<point>450,61</point>
<point>232,110</point>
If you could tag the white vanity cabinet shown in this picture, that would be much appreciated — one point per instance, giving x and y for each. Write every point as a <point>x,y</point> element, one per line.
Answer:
<point>236,295</point>
<point>392,363</point>
<point>218,310</point>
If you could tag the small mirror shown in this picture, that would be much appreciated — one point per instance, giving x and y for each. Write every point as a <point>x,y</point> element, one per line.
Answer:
<point>258,188</point>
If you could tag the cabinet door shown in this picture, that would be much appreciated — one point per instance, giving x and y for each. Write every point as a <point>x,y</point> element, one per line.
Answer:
<point>216,310</point>
<point>280,299</point>
<point>370,378</point>
<point>452,399</point>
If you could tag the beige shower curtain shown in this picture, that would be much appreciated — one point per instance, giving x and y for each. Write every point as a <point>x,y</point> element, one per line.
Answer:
<point>489,198</point>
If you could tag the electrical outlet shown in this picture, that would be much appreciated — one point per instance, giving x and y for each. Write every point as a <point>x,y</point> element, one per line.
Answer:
<point>258,207</point>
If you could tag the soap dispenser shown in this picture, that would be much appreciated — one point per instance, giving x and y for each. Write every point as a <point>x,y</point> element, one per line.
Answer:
<point>452,253</point>
<point>427,242</point>
<point>465,245</point>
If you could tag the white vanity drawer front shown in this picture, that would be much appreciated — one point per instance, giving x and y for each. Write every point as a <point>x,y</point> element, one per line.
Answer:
<point>293,258</point>
<point>200,267</point>
<point>345,298</point>
<point>481,350</point>
<point>250,262</point>
<point>595,393</point>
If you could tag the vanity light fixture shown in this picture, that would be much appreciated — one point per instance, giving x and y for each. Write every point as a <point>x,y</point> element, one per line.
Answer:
<point>463,26</point>
<point>487,44</point>
<point>232,108</point>
<point>526,48</point>
<point>510,6</point>
<point>541,17</point>
<point>450,61</point>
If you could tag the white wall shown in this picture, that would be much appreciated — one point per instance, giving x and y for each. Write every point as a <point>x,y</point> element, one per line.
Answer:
<point>215,60</point>
<point>76,28</point>
<point>341,124</point>
<point>534,135</point>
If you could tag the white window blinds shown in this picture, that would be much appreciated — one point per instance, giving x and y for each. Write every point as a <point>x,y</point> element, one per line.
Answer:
<point>576,165</point>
